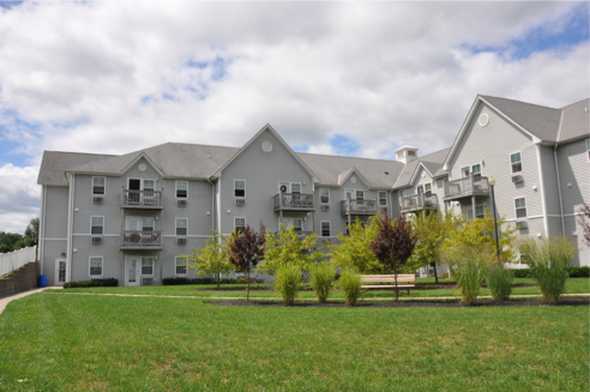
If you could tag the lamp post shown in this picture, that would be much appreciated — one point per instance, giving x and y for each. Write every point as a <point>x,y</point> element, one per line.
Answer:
<point>492,182</point>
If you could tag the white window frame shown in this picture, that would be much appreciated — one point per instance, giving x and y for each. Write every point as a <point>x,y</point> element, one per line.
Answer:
<point>101,258</point>
<point>510,162</point>
<point>291,183</point>
<point>240,217</point>
<point>245,186</point>
<point>364,193</point>
<point>428,189</point>
<point>91,219</point>
<point>153,259</point>
<point>176,220</point>
<point>418,188</point>
<point>184,259</point>
<point>352,193</point>
<point>104,186</point>
<point>517,208</point>
<point>328,193</point>
<point>480,170</point>
<point>379,199</point>
<point>302,227</point>
<point>329,228</point>
<point>588,149</point>
<point>176,189</point>
<point>463,175</point>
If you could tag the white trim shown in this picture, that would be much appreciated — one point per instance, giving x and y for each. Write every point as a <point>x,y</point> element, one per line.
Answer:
<point>92,186</point>
<point>55,239</point>
<point>141,274</point>
<point>510,162</point>
<point>188,236</point>
<point>42,221</point>
<point>101,267</point>
<point>532,217</point>
<point>329,226</point>
<point>342,179</point>
<point>298,183</point>
<point>137,271</point>
<point>234,189</point>
<point>379,199</point>
<point>134,178</point>
<point>240,217</point>
<point>71,194</point>
<point>587,143</point>
<point>137,159</point>
<point>542,186</point>
<point>416,171</point>
<point>329,196</point>
<point>103,225</point>
<point>176,258</point>
<point>525,207</point>
<point>56,271</point>
<point>179,218</point>
<point>89,234</point>
<point>176,189</point>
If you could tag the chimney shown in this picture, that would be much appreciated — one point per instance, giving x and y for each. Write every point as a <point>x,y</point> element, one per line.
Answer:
<point>406,154</point>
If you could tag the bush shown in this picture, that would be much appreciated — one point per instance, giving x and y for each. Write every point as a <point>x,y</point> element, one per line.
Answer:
<point>287,282</point>
<point>549,260</point>
<point>579,272</point>
<point>350,283</point>
<point>499,280</point>
<point>108,282</point>
<point>321,280</point>
<point>522,273</point>
<point>468,279</point>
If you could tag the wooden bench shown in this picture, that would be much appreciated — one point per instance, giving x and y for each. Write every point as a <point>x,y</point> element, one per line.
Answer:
<point>404,281</point>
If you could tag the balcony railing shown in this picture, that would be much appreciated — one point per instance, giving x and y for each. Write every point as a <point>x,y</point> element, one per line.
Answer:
<point>418,203</point>
<point>293,201</point>
<point>467,186</point>
<point>358,207</point>
<point>149,199</point>
<point>137,239</point>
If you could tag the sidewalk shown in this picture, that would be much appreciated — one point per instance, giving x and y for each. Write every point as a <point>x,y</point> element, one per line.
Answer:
<point>5,301</point>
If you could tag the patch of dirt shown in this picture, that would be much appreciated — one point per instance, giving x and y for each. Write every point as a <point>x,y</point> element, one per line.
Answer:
<point>430,303</point>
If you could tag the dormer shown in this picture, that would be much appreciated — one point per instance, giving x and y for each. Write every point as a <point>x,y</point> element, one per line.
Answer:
<point>406,154</point>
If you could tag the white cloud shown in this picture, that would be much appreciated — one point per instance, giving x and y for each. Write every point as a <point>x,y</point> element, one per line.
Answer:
<point>19,197</point>
<point>384,74</point>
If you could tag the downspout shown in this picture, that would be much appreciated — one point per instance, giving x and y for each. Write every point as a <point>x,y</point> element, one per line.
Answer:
<point>559,195</point>
<point>42,224</point>
<point>72,184</point>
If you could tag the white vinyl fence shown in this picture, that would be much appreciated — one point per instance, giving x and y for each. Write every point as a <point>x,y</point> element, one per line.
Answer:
<point>14,260</point>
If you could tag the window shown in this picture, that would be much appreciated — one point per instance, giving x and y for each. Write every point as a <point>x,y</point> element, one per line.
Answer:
<point>428,190</point>
<point>480,209</point>
<point>180,265</point>
<point>348,194</point>
<point>476,171</point>
<point>147,266</point>
<point>382,198</point>
<point>465,171</point>
<point>588,149</point>
<point>516,162</point>
<point>240,189</point>
<point>181,227</point>
<point>147,223</point>
<point>97,225</point>
<point>360,195</point>
<point>182,190</point>
<point>239,223</point>
<point>520,207</point>
<point>420,189</point>
<point>95,267</point>
<point>325,230</point>
<point>295,187</point>
<point>298,225</point>
<point>325,196</point>
<point>99,186</point>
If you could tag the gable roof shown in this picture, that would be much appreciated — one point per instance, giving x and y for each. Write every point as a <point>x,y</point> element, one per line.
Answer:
<point>345,175</point>
<point>432,162</point>
<point>55,163</point>
<point>575,121</point>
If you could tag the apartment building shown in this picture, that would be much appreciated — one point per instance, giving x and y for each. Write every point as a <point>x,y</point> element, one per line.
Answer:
<point>133,216</point>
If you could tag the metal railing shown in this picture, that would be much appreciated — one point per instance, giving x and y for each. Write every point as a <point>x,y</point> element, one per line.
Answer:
<point>141,198</point>
<point>359,207</point>
<point>467,186</point>
<point>293,201</point>
<point>12,261</point>
<point>141,239</point>
<point>418,202</point>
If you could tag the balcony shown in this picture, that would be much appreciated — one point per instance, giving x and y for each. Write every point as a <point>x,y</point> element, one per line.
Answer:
<point>361,207</point>
<point>141,240</point>
<point>144,199</point>
<point>415,203</point>
<point>467,187</point>
<point>293,202</point>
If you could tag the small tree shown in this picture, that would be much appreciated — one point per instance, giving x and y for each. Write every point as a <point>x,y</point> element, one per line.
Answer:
<point>393,245</point>
<point>585,222</point>
<point>287,248</point>
<point>246,249</point>
<point>354,252</point>
<point>431,231</point>
<point>212,259</point>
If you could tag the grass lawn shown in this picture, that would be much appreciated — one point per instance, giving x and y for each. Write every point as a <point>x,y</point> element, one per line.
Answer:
<point>54,342</point>
<point>573,285</point>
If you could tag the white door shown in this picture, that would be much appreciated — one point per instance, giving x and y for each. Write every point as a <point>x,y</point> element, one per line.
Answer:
<point>132,270</point>
<point>61,270</point>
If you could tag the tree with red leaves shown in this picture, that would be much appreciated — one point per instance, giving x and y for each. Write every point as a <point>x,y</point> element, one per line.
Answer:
<point>585,222</point>
<point>246,249</point>
<point>393,245</point>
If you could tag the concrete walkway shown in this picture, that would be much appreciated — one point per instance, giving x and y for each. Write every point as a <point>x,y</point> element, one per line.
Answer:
<point>5,301</point>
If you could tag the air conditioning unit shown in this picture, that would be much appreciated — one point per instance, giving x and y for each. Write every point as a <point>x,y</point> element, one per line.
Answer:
<point>181,240</point>
<point>181,202</point>
<point>97,199</point>
<point>96,239</point>
<point>325,208</point>
<point>240,202</point>
<point>517,179</point>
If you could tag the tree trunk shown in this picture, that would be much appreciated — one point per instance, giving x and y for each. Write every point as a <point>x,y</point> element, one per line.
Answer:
<point>396,288</point>
<point>248,285</point>
<point>435,273</point>
<point>218,280</point>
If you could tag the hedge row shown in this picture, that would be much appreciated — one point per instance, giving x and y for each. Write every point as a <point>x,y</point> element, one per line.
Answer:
<point>574,272</point>
<point>108,282</point>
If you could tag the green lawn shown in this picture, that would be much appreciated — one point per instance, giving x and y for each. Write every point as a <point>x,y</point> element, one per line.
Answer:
<point>573,285</point>
<point>54,341</point>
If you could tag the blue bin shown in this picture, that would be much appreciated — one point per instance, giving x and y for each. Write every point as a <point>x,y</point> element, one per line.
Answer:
<point>43,281</point>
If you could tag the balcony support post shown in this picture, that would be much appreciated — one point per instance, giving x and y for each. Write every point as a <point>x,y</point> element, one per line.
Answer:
<point>472,207</point>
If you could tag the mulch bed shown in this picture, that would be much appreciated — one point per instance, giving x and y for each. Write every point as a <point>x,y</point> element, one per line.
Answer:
<point>427,303</point>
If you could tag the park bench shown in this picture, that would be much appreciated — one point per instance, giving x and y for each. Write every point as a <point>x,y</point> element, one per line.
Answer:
<point>404,281</point>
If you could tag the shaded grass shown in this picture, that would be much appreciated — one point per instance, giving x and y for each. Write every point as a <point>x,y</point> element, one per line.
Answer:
<point>61,342</point>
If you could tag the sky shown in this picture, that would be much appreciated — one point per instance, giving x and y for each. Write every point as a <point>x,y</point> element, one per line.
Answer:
<point>334,78</point>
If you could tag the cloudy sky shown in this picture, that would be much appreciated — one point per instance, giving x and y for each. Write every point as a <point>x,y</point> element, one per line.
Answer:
<point>116,76</point>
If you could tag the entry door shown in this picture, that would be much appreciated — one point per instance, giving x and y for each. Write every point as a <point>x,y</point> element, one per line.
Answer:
<point>134,190</point>
<point>61,269</point>
<point>132,270</point>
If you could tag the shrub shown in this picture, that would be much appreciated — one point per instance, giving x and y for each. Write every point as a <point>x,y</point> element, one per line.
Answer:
<point>353,250</point>
<point>287,282</point>
<point>212,259</point>
<point>107,282</point>
<point>350,283</point>
<point>468,279</point>
<point>522,273</point>
<point>288,248</point>
<point>321,280</point>
<point>579,272</point>
<point>549,260</point>
<point>499,280</point>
